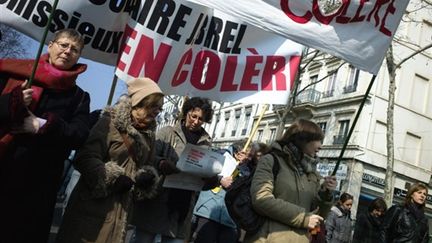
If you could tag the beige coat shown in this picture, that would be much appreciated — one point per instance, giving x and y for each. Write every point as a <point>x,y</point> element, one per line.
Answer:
<point>95,213</point>
<point>288,202</point>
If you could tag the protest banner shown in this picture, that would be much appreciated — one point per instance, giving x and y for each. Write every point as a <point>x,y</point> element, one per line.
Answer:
<point>101,22</point>
<point>187,48</point>
<point>357,31</point>
<point>193,50</point>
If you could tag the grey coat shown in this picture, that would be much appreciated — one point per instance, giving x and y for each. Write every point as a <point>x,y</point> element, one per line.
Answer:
<point>156,215</point>
<point>338,226</point>
<point>95,213</point>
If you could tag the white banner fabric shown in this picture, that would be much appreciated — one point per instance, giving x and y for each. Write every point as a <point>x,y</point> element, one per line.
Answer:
<point>188,49</point>
<point>101,22</point>
<point>358,31</point>
<point>196,51</point>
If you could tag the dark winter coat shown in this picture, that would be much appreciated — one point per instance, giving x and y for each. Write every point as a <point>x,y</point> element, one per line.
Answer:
<point>404,224</point>
<point>288,202</point>
<point>31,171</point>
<point>367,228</point>
<point>170,213</point>
<point>96,213</point>
<point>338,226</point>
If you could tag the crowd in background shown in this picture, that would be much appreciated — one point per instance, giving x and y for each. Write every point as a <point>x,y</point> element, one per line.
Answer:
<point>121,162</point>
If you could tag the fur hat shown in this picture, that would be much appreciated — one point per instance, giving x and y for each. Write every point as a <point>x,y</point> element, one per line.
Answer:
<point>139,88</point>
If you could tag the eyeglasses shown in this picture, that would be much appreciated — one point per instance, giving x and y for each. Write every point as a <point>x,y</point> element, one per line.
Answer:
<point>65,46</point>
<point>194,117</point>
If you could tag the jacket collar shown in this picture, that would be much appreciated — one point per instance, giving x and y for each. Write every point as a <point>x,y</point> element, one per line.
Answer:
<point>204,138</point>
<point>120,115</point>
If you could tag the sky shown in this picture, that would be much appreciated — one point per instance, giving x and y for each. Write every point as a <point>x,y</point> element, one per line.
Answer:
<point>96,80</point>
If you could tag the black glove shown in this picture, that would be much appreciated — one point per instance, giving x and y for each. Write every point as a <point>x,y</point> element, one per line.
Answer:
<point>145,179</point>
<point>122,184</point>
<point>167,167</point>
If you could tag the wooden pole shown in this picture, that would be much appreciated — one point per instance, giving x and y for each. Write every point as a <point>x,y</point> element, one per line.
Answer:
<point>255,128</point>
<point>41,45</point>
<point>113,86</point>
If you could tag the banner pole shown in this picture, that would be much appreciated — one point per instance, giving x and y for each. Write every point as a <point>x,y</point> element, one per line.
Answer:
<point>113,86</point>
<point>353,125</point>
<point>255,128</point>
<point>42,42</point>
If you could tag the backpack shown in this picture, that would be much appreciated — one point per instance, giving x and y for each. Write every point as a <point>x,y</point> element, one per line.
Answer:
<point>239,202</point>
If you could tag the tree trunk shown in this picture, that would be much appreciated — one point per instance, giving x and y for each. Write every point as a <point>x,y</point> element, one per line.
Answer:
<point>389,183</point>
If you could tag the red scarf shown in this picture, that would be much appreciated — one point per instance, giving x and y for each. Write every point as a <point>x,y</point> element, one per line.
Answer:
<point>46,76</point>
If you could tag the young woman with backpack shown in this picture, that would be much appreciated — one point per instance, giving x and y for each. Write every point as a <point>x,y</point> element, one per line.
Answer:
<point>214,224</point>
<point>295,202</point>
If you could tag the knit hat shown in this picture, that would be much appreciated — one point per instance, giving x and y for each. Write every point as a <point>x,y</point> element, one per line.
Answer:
<point>139,88</point>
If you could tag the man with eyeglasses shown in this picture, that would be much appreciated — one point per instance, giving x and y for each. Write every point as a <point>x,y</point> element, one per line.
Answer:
<point>39,126</point>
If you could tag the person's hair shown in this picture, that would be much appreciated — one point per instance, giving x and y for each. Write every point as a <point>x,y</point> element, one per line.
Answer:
<point>377,204</point>
<point>344,197</point>
<point>198,102</point>
<point>415,188</point>
<point>302,132</point>
<point>70,34</point>
<point>150,100</point>
<point>261,147</point>
<point>238,146</point>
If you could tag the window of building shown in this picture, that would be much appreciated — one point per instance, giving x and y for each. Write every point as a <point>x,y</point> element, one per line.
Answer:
<point>227,115</point>
<point>343,132</point>
<point>323,126</point>
<point>247,120</point>
<point>272,134</point>
<point>353,74</point>
<point>236,122</point>
<point>313,80</point>
<point>259,135</point>
<point>419,93</point>
<point>379,141</point>
<point>330,84</point>
<point>411,148</point>
<point>344,127</point>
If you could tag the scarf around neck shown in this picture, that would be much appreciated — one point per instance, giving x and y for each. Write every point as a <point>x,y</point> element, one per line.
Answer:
<point>303,163</point>
<point>46,76</point>
<point>416,210</point>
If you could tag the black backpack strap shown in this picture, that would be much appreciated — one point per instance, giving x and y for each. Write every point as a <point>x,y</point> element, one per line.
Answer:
<point>276,166</point>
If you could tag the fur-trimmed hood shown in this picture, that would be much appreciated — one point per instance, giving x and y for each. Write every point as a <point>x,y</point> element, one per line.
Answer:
<point>121,118</point>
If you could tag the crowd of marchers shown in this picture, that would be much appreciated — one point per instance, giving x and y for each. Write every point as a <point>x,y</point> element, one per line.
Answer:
<point>123,162</point>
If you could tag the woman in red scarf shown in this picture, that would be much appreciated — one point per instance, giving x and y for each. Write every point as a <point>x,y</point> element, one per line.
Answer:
<point>39,126</point>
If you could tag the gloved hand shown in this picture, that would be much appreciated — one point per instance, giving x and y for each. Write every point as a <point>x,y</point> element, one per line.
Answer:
<point>167,167</point>
<point>145,179</point>
<point>329,183</point>
<point>122,184</point>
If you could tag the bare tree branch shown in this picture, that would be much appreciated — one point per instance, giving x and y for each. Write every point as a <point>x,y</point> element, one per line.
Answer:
<point>12,44</point>
<point>412,55</point>
<point>328,75</point>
